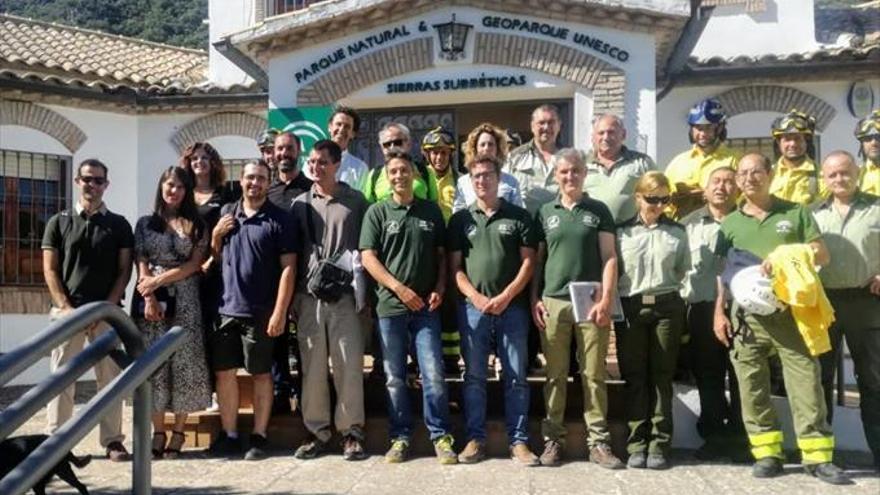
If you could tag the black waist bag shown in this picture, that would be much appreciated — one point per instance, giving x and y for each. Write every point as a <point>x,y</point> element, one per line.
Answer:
<point>328,281</point>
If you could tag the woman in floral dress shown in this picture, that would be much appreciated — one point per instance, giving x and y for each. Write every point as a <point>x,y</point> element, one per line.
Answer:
<point>170,247</point>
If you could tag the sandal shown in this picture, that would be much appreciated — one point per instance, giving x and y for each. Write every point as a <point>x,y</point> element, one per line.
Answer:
<point>172,451</point>
<point>158,446</point>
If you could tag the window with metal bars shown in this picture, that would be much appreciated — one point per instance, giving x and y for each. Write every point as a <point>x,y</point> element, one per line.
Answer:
<point>284,6</point>
<point>33,187</point>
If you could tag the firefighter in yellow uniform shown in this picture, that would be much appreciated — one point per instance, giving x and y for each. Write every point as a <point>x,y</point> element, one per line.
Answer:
<point>761,224</point>
<point>690,170</point>
<point>868,134</point>
<point>796,175</point>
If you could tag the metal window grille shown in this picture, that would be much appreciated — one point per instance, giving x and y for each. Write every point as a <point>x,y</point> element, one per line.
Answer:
<point>284,6</point>
<point>33,187</point>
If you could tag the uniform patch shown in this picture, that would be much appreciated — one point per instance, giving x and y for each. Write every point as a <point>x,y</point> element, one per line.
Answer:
<point>392,226</point>
<point>505,228</point>
<point>426,225</point>
<point>471,230</point>
<point>590,220</point>
<point>552,222</point>
<point>784,227</point>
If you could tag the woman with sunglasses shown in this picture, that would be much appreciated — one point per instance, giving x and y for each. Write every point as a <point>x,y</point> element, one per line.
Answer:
<point>486,139</point>
<point>170,246</point>
<point>654,258</point>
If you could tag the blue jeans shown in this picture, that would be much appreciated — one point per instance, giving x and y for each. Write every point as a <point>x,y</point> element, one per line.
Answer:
<point>395,334</point>
<point>510,333</point>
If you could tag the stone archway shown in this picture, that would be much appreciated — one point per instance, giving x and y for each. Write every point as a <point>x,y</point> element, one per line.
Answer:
<point>218,124</point>
<point>50,122</point>
<point>606,81</point>
<point>781,99</point>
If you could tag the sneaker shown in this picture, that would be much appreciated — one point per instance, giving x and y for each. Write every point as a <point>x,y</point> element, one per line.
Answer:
<point>829,473</point>
<point>552,454</point>
<point>523,456</point>
<point>312,447</point>
<point>443,449</point>
<point>767,467</point>
<point>601,454</point>
<point>657,461</point>
<point>116,452</point>
<point>398,452</point>
<point>637,460</point>
<point>258,448</point>
<point>223,446</point>
<point>474,452</point>
<point>352,448</point>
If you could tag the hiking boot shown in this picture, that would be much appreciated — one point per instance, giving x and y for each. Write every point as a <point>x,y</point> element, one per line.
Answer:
<point>474,452</point>
<point>443,449</point>
<point>352,448</point>
<point>398,452</point>
<point>657,461</point>
<point>829,473</point>
<point>224,446</point>
<point>552,454</point>
<point>522,455</point>
<point>637,460</point>
<point>601,454</point>
<point>767,467</point>
<point>258,450</point>
<point>116,452</point>
<point>312,447</point>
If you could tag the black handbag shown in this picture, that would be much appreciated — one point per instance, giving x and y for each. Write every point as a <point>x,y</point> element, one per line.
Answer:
<point>327,281</point>
<point>166,299</point>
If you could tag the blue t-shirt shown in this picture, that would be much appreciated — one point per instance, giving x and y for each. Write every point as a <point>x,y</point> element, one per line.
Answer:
<point>252,259</point>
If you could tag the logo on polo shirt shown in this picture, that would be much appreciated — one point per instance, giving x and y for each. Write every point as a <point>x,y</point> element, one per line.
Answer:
<point>505,228</point>
<point>392,227</point>
<point>590,220</point>
<point>552,222</point>
<point>784,227</point>
<point>426,225</point>
<point>471,230</point>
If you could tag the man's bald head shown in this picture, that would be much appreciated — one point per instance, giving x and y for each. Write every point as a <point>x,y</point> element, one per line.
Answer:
<point>841,174</point>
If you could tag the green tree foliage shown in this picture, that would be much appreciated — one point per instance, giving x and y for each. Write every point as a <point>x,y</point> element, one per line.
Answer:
<point>175,22</point>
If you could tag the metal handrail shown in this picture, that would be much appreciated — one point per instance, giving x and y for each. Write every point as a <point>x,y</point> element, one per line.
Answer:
<point>139,364</point>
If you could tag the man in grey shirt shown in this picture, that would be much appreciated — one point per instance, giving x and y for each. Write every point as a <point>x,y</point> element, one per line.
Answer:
<point>328,219</point>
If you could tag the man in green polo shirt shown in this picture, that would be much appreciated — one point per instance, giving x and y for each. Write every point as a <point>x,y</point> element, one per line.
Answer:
<point>762,223</point>
<point>850,224</point>
<point>401,244</point>
<point>492,251</point>
<point>613,169</point>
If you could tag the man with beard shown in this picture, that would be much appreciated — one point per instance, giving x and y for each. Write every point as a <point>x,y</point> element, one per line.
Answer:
<point>689,171</point>
<point>532,163</point>
<point>868,134</point>
<point>795,176</point>
<point>289,183</point>
<point>613,169</point>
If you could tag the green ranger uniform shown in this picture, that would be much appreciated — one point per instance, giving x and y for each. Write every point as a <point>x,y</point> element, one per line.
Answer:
<point>854,244</point>
<point>785,223</point>
<point>405,238</point>
<point>616,187</point>
<point>490,246</point>
<point>653,263</point>
<point>573,255</point>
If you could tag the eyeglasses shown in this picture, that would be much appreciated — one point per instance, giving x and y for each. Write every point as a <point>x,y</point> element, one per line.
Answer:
<point>393,142</point>
<point>88,179</point>
<point>872,137</point>
<point>656,200</point>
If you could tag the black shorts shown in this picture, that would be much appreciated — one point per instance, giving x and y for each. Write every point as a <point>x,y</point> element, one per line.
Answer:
<point>241,342</point>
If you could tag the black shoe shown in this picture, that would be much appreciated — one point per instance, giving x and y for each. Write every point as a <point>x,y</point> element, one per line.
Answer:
<point>312,447</point>
<point>829,473</point>
<point>259,448</point>
<point>352,448</point>
<point>637,460</point>
<point>223,446</point>
<point>657,461</point>
<point>768,467</point>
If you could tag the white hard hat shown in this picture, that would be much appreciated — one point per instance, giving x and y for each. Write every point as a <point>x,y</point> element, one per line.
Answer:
<point>753,293</point>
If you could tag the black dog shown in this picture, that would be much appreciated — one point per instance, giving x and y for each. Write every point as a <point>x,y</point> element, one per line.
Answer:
<point>14,450</point>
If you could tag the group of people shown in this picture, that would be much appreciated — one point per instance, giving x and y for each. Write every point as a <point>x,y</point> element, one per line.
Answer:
<point>537,241</point>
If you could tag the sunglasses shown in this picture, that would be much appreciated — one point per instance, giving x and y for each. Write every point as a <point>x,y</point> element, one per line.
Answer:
<point>656,200</point>
<point>393,142</point>
<point>88,179</point>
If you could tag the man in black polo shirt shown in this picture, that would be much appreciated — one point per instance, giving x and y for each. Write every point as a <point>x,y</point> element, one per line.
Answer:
<point>87,258</point>
<point>289,183</point>
<point>255,242</point>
